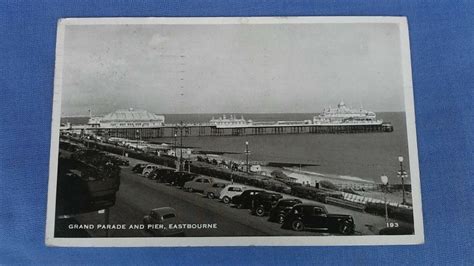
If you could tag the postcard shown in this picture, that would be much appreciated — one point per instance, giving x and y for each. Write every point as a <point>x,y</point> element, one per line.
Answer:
<point>233,131</point>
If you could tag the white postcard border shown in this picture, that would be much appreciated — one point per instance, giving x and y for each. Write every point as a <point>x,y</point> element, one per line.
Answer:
<point>417,238</point>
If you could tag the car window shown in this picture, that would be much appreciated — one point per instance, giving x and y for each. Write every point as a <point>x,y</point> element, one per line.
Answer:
<point>169,215</point>
<point>308,210</point>
<point>198,180</point>
<point>318,210</point>
<point>206,181</point>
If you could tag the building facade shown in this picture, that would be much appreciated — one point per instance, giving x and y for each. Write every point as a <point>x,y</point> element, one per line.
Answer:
<point>128,123</point>
<point>128,118</point>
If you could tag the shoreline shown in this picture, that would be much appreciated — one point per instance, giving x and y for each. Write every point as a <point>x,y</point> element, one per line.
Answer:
<point>342,178</point>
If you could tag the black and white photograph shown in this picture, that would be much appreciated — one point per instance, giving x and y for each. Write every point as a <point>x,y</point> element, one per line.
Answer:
<point>269,131</point>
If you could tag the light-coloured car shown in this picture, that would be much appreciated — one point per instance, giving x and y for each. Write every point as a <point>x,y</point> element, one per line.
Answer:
<point>162,222</point>
<point>214,190</point>
<point>198,184</point>
<point>149,168</point>
<point>230,191</point>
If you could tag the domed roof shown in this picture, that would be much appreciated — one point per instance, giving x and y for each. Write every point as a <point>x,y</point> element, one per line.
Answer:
<point>132,115</point>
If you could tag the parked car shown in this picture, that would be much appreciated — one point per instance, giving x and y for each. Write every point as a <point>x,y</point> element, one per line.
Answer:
<point>119,161</point>
<point>214,190</point>
<point>281,209</point>
<point>264,202</point>
<point>179,178</point>
<point>246,199</point>
<point>147,170</point>
<point>198,184</point>
<point>313,216</point>
<point>230,191</point>
<point>158,222</point>
<point>138,168</point>
<point>160,173</point>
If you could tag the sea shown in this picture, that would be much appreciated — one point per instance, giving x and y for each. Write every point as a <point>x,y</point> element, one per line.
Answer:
<point>365,155</point>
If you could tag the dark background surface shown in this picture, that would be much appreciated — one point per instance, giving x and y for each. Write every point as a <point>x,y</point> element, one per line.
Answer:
<point>442,47</point>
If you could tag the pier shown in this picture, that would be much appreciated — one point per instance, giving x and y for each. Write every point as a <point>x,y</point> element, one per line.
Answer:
<point>207,129</point>
<point>141,124</point>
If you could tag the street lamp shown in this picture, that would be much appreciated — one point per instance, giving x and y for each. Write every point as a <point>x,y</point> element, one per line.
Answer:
<point>402,174</point>
<point>181,145</point>
<point>384,180</point>
<point>139,138</point>
<point>175,145</point>
<point>231,164</point>
<point>247,152</point>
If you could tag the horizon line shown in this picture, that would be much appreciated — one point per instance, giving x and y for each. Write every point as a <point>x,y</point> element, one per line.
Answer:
<point>221,113</point>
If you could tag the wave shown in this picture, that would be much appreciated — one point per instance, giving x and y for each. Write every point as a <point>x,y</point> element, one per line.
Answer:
<point>329,176</point>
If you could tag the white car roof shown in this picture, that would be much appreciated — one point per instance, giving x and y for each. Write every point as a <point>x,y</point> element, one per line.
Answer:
<point>232,185</point>
<point>164,210</point>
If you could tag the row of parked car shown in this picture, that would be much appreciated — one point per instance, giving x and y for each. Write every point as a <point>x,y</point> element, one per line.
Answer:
<point>291,213</point>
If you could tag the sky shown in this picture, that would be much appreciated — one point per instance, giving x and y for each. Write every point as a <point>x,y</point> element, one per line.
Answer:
<point>238,68</point>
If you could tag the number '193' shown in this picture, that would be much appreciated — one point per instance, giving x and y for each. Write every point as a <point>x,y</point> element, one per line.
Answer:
<point>391,225</point>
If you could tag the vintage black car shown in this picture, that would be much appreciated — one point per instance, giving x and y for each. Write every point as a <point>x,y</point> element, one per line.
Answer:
<point>179,178</point>
<point>264,202</point>
<point>246,199</point>
<point>166,176</point>
<point>278,213</point>
<point>160,174</point>
<point>119,161</point>
<point>138,168</point>
<point>316,217</point>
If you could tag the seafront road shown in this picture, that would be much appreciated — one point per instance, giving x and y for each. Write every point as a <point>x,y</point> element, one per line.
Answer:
<point>138,195</point>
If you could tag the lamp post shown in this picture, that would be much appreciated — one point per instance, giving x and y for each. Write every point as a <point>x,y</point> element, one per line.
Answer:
<point>181,145</point>
<point>384,180</point>
<point>139,136</point>
<point>247,152</point>
<point>231,172</point>
<point>175,145</point>
<point>402,174</point>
